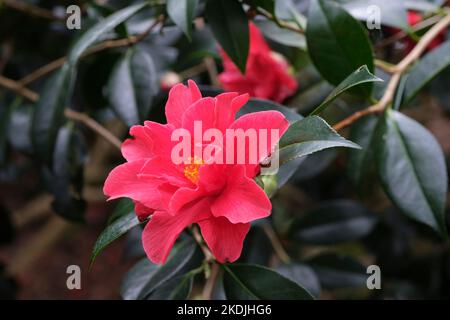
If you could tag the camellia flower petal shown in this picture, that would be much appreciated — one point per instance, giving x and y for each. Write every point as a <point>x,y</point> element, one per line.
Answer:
<point>221,197</point>
<point>266,74</point>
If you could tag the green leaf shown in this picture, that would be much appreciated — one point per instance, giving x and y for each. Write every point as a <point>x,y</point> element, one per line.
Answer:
<point>112,232</point>
<point>252,282</point>
<point>49,113</point>
<point>423,5</point>
<point>337,271</point>
<point>359,161</point>
<point>132,86</point>
<point>184,257</point>
<point>360,76</point>
<point>426,70</point>
<point>257,105</point>
<point>287,10</point>
<point>267,5</point>
<point>307,136</point>
<point>392,13</point>
<point>93,34</point>
<point>337,43</point>
<point>177,288</point>
<point>412,169</point>
<point>303,275</point>
<point>124,207</point>
<point>19,128</point>
<point>229,24</point>
<point>65,177</point>
<point>136,278</point>
<point>98,11</point>
<point>281,35</point>
<point>333,222</point>
<point>182,14</point>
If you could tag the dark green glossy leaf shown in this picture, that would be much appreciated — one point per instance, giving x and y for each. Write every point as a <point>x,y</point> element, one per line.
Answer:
<point>337,43</point>
<point>360,76</point>
<point>315,164</point>
<point>182,13</point>
<point>65,179</point>
<point>49,113</point>
<point>124,207</point>
<point>392,13</point>
<point>229,24</point>
<point>112,232</point>
<point>257,105</point>
<point>184,257</point>
<point>426,70</point>
<point>359,161</point>
<point>307,136</point>
<point>102,27</point>
<point>281,35</point>
<point>132,86</point>
<point>136,278</point>
<point>99,12</point>
<point>244,282</point>
<point>337,271</point>
<point>177,288</point>
<point>19,128</point>
<point>423,5</point>
<point>334,222</point>
<point>303,275</point>
<point>412,169</point>
<point>267,5</point>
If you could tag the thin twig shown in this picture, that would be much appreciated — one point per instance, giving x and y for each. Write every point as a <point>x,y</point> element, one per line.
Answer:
<point>282,24</point>
<point>42,71</point>
<point>210,284</point>
<point>93,125</point>
<point>398,71</point>
<point>276,243</point>
<point>209,257</point>
<point>193,71</point>
<point>211,67</point>
<point>386,66</point>
<point>18,88</point>
<point>105,45</point>
<point>70,114</point>
<point>31,9</point>
<point>402,34</point>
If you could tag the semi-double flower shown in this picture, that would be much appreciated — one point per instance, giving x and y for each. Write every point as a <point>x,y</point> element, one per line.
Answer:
<point>221,198</point>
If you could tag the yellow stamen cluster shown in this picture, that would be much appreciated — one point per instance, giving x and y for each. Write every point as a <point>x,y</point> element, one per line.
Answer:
<point>192,168</point>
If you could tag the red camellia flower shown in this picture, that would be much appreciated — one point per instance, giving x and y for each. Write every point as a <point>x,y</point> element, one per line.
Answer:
<point>221,198</point>
<point>266,75</point>
<point>413,19</point>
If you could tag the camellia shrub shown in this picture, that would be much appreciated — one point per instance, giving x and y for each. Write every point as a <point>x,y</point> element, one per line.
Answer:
<point>246,149</point>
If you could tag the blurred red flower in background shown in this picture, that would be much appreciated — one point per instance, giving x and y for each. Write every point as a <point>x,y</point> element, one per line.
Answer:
<point>266,74</point>
<point>413,19</point>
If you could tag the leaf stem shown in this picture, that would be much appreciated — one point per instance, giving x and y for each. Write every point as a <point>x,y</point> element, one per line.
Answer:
<point>105,45</point>
<point>210,284</point>
<point>69,113</point>
<point>276,243</point>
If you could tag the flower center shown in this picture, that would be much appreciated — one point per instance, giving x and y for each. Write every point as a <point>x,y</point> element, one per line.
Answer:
<point>192,168</point>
